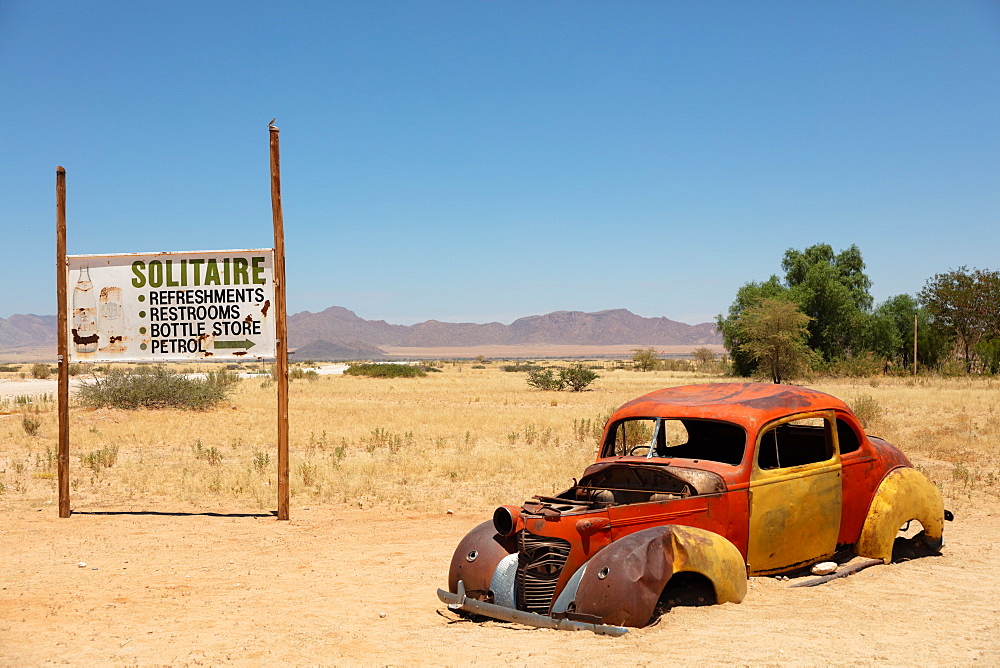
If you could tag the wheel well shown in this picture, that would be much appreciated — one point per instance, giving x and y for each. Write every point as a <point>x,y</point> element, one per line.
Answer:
<point>686,588</point>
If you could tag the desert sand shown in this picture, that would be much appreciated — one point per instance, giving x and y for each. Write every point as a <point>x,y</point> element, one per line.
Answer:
<point>207,587</point>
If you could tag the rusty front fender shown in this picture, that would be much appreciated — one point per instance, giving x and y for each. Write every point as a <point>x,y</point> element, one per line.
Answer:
<point>622,583</point>
<point>904,494</point>
<point>476,558</point>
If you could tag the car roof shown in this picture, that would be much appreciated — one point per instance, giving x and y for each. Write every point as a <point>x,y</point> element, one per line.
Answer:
<point>748,404</point>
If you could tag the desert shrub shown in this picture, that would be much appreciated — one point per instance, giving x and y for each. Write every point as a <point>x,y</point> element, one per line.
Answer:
<point>30,424</point>
<point>478,366</point>
<point>431,369</point>
<point>41,371</point>
<point>544,379</point>
<point>298,373</point>
<point>212,455</point>
<point>512,368</point>
<point>574,378</point>
<point>577,378</point>
<point>103,458</point>
<point>156,387</point>
<point>674,364</point>
<point>10,368</point>
<point>372,370</point>
<point>261,460</point>
<point>856,366</point>
<point>868,410</point>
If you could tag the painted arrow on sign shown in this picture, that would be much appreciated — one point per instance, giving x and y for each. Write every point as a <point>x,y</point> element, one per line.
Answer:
<point>247,343</point>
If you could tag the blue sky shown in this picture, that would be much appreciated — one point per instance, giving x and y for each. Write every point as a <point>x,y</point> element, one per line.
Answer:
<point>474,161</point>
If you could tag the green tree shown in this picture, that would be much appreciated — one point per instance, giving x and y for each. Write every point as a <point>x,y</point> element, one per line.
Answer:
<point>889,333</point>
<point>833,290</point>
<point>750,294</point>
<point>989,353</point>
<point>775,333</point>
<point>703,356</point>
<point>965,304</point>
<point>645,359</point>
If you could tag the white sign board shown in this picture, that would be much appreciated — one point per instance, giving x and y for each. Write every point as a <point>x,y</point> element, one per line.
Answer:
<point>203,305</point>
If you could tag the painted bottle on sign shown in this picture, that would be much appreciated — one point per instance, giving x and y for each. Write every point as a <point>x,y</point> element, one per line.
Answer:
<point>84,314</point>
<point>111,322</point>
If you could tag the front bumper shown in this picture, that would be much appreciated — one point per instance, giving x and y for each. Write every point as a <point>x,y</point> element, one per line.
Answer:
<point>460,601</point>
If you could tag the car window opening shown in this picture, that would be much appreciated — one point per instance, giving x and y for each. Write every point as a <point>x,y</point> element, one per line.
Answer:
<point>847,437</point>
<point>795,443</point>
<point>700,440</point>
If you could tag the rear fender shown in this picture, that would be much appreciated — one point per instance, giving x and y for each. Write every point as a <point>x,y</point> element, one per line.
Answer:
<point>476,558</point>
<point>904,494</point>
<point>622,583</point>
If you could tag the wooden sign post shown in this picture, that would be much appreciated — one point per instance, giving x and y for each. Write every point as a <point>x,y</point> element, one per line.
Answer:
<point>281,330</point>
<point>128,327</point>
<point>62,394</point>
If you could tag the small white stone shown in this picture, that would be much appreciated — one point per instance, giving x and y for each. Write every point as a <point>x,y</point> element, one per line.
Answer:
<point>82,564</point>
<point>450,512</point>
<point>381,615</point>
<point>824,568</point>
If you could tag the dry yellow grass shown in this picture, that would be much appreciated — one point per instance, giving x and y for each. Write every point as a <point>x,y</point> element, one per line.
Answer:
<point>464,438</point>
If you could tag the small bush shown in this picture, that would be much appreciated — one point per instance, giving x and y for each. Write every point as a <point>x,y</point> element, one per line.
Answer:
<point>857,366</point>
<point>372,370</point>
<point>298,373</point>
<point>868,410</point>
<point>40,371</point>
<point>211,455</point>
<point>574,378</point>
<point>308,472</point>
<point>30,425</point>
<point>577,378</point>
<point>512,368</point>
<point>10,368</point>
<point>156,387</point>
<point>103,458</point>
<point>544,379</point>
<point>260,461</point>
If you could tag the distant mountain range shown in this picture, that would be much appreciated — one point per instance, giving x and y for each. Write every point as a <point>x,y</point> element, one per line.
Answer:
<point>20,331</point>
<point>613,327</point>
<point>338,333</point>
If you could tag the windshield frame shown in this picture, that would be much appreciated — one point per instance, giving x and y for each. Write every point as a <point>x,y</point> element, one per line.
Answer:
<point>656,448</point>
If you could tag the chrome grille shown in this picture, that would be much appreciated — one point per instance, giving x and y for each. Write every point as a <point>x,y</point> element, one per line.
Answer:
<point>540,561</point>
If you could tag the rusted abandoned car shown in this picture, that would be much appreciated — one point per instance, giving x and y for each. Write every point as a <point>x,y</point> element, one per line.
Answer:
<point>695,486</point>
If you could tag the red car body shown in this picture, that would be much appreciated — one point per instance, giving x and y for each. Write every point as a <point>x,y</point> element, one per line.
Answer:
<point>713,481</point>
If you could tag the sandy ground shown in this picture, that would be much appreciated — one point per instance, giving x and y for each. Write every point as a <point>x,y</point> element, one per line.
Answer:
<point>194,587</point>
<point>33,387</point>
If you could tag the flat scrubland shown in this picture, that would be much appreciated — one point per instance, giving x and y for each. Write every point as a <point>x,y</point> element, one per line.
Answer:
<point>173,515</point>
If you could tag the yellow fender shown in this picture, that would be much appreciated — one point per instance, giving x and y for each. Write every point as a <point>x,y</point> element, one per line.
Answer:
<point>904,494</point>
<point>701,551</point>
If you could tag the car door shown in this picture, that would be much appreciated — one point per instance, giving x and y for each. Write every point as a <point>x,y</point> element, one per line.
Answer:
<point>795,493</point>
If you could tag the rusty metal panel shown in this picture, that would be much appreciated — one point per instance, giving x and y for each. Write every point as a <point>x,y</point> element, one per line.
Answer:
<point>477,557</point>
<point>200,305</point>
<point>794,510</point>
<point>905,494</point>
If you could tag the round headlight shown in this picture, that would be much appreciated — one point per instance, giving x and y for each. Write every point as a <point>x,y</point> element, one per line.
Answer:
<point>507,520</point>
